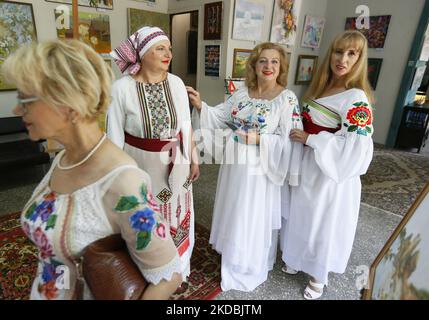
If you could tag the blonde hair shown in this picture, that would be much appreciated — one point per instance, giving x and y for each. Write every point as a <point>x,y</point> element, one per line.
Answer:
<point>356,78</point>
<point>62,73</point>
<point>251,79</point>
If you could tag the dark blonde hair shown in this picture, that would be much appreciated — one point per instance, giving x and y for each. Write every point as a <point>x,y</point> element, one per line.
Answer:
<point>63,73</point>
<point>356,78</point>
<point>251,80</point>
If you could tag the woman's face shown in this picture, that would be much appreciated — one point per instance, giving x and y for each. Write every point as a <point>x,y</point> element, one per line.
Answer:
<point>41,120</point>
<point>267,67</point>
<point>158,57</point>
<point>343,60</point>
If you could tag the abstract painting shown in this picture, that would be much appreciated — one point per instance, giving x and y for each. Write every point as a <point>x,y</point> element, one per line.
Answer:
<point>139,18</point>
<point>377,32</point>
<point>212,60</point>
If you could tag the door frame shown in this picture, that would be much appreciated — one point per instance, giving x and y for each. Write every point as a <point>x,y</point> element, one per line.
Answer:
<point>412,63</point>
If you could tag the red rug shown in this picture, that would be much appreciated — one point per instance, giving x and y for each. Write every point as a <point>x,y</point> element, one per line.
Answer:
<point>18,263</point>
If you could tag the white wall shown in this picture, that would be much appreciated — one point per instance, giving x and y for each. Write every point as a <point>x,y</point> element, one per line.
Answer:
<point>402,28</point>
<point>45,25</point>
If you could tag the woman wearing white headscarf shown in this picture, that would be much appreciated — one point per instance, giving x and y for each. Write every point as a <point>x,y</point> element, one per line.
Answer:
<point>149,118</point>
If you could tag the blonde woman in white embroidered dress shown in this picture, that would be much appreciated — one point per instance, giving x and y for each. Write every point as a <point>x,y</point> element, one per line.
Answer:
<point>317,237</point>
<point>93,189</point>
<point>247,210</point>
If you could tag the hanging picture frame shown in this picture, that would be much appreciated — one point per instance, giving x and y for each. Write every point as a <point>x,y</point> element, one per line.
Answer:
<point>313,31</point>
<point>212,60</point>
<point>18,28</point>
<point>374,67</point>
<point>399,272</point>
<point>376,34</point>
<point>248,20</point>
<point>305,69</point>
<point>239,62</point>
<point>213,20</point>
<point>101,4</point>
<point>284,21</point>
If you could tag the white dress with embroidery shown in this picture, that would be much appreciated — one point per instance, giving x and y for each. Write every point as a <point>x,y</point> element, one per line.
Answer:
<point>159,111</point>
<point>62,225</point>
<point>317,236</point>
<point>247,208</point>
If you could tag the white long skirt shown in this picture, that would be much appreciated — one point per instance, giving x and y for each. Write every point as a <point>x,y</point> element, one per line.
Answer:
<point>245,225</point>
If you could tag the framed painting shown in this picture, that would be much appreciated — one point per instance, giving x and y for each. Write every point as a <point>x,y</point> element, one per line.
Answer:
<point>377,32</point>
<point>400,270</point>
<point>94,30</point>
<point>374,67</point>
<point>284,21</point>
<point>212,60</point>
<point>305,69</point>
<point>213,20</point>
<point>248,20</point>
<point>239,62</point>
<point>313,31</point>
<point>17,28</point>
<point>139,18</point>
<point>100,4</point>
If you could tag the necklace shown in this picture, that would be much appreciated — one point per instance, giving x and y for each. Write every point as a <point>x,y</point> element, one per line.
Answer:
<point>84,159</point>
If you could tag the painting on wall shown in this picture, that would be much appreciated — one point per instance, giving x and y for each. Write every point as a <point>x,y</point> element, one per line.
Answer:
<point>139,18</point>
<point>284,21</point>
<point>248,20</point>
<point>213,21</point>
<point>313,31</point>
<point>94,30</point>
<point>239,62</point>
<point>400,270</point>
<point>305,69</point>
<point>17,28</point>
<point>377,32</point>
<point>212,60</point>
<point>374,67</point>
<point>102,4</point>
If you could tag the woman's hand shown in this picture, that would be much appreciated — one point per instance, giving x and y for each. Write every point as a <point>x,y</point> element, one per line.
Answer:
<point>251,138</point>
<point>194,172</point>
<point>194,97</point>
<point>298,136</point>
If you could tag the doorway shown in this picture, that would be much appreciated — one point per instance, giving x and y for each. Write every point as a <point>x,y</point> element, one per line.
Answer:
<point>184,40</point>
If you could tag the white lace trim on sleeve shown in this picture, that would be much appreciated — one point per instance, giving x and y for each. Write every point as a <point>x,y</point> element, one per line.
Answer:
<point>164,272</point>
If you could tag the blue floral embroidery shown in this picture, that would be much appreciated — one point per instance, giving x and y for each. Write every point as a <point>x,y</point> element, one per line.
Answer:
<point>143,220</point>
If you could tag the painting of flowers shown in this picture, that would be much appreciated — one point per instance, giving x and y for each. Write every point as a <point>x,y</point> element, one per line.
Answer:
<point>17,28</point>
<point>284,21</point>
<point>313,30</point>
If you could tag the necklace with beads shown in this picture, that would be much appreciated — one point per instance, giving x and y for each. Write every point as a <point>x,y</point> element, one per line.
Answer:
<point>97,146</point>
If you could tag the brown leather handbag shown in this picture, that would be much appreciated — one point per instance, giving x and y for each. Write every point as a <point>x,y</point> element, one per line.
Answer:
<point>109,271</point>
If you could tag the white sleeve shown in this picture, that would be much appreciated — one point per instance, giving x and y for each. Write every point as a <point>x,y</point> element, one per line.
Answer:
<point>348,152</point>
<point>115,123</point>
<point>280,157</point>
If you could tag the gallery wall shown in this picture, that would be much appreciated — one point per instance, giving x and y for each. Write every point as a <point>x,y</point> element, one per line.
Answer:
<point>46,30</point>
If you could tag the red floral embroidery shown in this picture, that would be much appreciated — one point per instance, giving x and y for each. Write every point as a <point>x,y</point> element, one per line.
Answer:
<point>360,116</point>
<point>160,230</point>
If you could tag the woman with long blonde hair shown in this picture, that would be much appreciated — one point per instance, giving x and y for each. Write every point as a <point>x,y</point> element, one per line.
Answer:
<point>318,231</point>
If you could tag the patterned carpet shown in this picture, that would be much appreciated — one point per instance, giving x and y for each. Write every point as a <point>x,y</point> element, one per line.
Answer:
<point>394,179</point>
<point>18,262</point>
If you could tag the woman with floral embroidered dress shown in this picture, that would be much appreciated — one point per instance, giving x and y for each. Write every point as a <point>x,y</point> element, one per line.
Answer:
<point>256,161</point>
<point>149,118</point>
<point>317,236</point>
<point>93,189</point>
